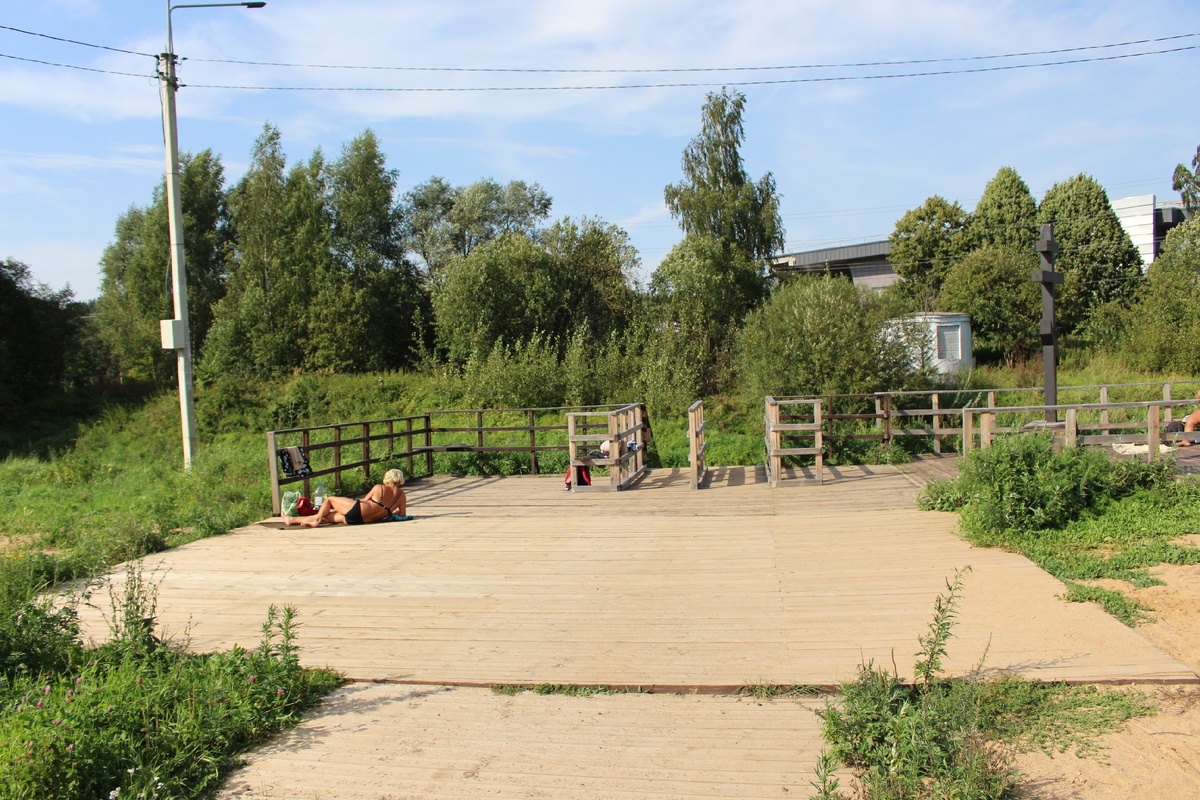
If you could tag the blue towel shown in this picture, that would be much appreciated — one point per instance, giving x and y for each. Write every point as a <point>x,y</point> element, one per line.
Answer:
<point>398,518</point>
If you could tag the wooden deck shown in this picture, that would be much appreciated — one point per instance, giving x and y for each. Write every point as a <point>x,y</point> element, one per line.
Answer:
<point>514,580</point>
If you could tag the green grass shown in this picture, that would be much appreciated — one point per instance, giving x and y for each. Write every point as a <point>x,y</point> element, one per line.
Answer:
<point>1077,514</point>
<point>954,737</point>
<point>770,691</point>
<point>137,717</point>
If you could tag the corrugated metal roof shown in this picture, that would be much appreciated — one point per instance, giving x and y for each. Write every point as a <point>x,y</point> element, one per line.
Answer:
<point>835,255</point>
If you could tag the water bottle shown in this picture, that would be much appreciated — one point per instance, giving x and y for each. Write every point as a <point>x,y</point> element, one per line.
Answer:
<point>319,494</point>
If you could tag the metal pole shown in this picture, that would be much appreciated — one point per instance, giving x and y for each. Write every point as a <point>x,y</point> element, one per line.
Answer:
<point>181,338</point>
<point>176,333</point>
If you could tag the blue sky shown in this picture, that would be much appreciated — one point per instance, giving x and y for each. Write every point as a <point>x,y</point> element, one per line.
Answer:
<point>78,148</point>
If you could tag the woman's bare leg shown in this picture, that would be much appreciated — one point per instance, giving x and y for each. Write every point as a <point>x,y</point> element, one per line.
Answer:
<point>332,510</point>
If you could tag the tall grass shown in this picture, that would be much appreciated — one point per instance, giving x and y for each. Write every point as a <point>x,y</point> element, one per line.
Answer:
<point>138,717</point>
<point>954,737</point>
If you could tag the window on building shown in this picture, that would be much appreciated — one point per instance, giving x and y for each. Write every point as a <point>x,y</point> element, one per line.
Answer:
<point>949,342</point>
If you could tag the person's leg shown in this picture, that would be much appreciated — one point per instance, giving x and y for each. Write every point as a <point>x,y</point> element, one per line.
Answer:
<point>332,510</point>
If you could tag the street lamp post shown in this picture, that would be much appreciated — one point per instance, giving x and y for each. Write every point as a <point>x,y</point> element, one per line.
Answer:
<point>176,334</point>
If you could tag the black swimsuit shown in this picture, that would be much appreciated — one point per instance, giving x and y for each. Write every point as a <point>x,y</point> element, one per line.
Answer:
<point>354,515</point>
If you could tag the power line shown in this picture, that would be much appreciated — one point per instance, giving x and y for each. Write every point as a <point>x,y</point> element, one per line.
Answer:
<point>74,41</point>
<point>72,66</point>
<point>775,82</point>
<point>668,70</point>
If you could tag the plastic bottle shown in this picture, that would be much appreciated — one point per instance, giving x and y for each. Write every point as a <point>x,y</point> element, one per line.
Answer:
<point>319,494</point>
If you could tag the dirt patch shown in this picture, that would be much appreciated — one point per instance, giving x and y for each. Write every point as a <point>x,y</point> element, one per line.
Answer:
<point>1156,756</point>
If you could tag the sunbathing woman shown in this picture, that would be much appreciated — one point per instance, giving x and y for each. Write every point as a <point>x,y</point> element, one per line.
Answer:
<point>383,500</point>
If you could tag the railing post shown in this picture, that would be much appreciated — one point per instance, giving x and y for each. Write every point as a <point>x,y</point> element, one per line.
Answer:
<point>819,444</point>
<point>304,443</point>
<point>428,443</point>
<point>1104,429</point>
<point>479,440</point>
<point>1153,415</point>
<point>408,436</point>
<point>533,463</point>
<point>366,450</point>
<point>337,458</point>
<point>614,449</point>
<point>987,423</point>
<point>968,434</point>
<point>273,459</point>
<point>937,424</point>
<point>571,451</point>
<point>887,418</point>
<point>1070,432</point>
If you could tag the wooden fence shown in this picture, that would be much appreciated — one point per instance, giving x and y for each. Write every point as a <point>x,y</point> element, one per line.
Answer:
<point>412,442</point>
<point>627,432</point>
<point>1082,424</point>
<point>697,446</point>
<point>939,413</point>
<point>781,425</point>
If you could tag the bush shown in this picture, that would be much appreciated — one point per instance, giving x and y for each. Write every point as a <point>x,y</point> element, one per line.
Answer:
<point>954,737</point>
<point>820,335</point>
<point>1021,483</point>
<point>140,718</point>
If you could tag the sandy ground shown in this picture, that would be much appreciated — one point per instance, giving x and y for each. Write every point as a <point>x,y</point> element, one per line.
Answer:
<point>1153,757</point>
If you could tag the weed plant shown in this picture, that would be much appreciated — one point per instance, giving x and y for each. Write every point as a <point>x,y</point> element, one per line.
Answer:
<point>954,737</point>
<point>139,717</point>
<point>1077,513</point>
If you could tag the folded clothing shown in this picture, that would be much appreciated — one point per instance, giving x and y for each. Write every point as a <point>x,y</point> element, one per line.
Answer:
<point>398,518</point>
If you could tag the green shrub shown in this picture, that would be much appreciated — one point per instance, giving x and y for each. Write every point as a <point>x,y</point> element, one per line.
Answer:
<point>954,737</point>
<point>1076,513</point>
<point>140,718</point>
<point>1022,483</point>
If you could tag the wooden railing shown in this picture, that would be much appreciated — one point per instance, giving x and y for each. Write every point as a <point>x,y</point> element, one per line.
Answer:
<point>412,442</point>
<point>627,432</point>
<point>938,413</point>
<point>1082,424</point>
<point>780,425</point>
<point>697,446</point>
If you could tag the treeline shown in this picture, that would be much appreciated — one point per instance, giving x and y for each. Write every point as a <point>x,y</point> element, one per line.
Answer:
<point>980,263</point>
<point>322,266</point>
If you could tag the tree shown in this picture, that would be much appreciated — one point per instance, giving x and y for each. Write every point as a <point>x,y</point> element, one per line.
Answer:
<point>506,291</point>
<point>926,243</point>
<point>992,285</point>
<point>1166,314</point>
<point>37,339</point>
<point>447,223</point>
<point>820,335</point>
<point>363,315</point>
<point>1096,256</point>
<point>1006,214</point>
<point>698,300</point>
<point>717,198</point>
<point>599,267</point>
<point>1187,183</point>
<point>135,283</point>
<point>260,325</point>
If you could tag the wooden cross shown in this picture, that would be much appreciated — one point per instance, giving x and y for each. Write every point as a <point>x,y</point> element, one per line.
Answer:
<point>1047,277</point>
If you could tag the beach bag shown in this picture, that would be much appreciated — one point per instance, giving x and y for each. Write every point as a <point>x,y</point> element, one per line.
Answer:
<point>288,507</point>
<point>304,508</point>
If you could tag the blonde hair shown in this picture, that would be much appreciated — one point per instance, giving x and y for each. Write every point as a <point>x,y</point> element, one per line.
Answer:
<point>393,477</point>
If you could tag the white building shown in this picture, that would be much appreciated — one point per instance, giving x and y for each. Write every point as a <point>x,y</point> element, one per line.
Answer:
<point>941,341</point>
